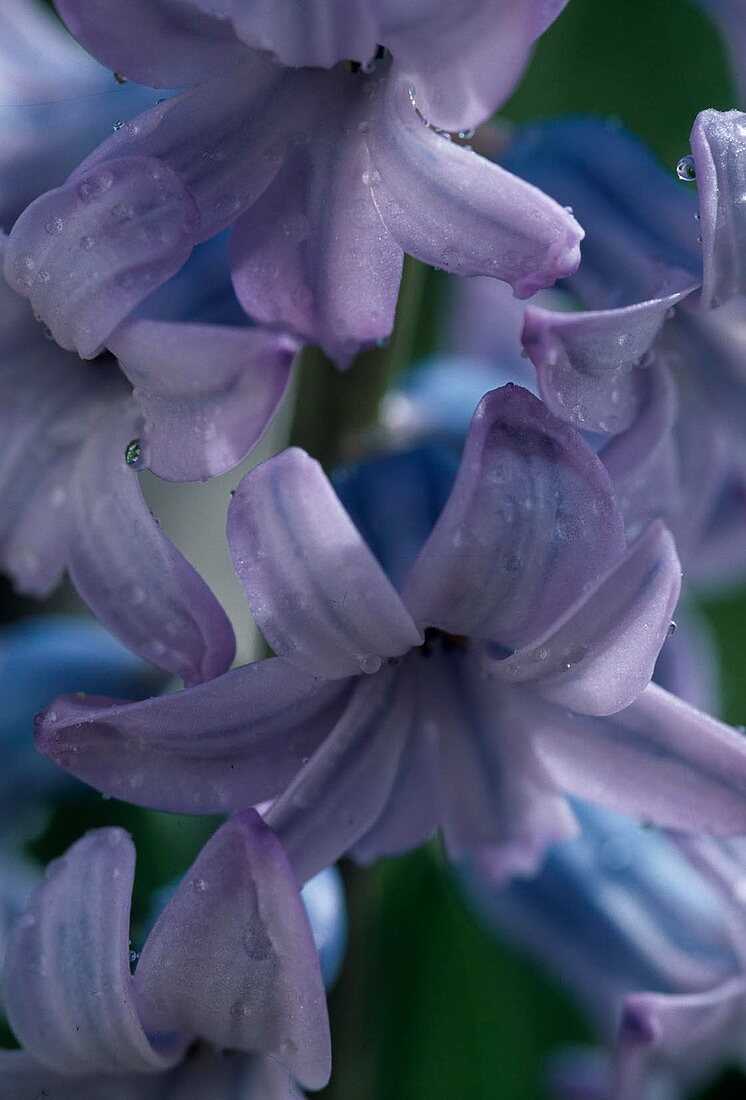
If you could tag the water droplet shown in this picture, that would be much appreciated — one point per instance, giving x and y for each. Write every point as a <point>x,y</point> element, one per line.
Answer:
<point>466,134</point>
<point>370,663</point>
<point>93,187</point>
<point>671,629</point>
<point>134,956</point>
<point>118,125</point>
<point>133,453</point>
<point>238,1009</point>
<point>119,78</point>
<point>54,226</point>
<point>199,885</point>
<point>686,169</point>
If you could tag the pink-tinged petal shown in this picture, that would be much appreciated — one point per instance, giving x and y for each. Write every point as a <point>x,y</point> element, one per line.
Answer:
<point>498,798</point>
<point>160,43</point>
<point>532,521</point>
<point>451,208</point>
<point>207,392</point>
<point>312,254</point>
<point>642,462</point>
<point>318,34</point>
<point>227,139</point>
<point>67,977</point>
<point>718,142</point>
<point>585,362</point>
<point>87,253</point>
<point>215,748</point>
<point>659,759</point>
<point>678,1028</point>
<point>342,791</point>
<point>134,580</point>
<point>232,957</point>
<point>318,594</point>
<point>602,653</point>
<point>464,56</point>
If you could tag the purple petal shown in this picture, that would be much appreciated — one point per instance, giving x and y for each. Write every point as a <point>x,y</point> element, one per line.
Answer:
<point>497,796</point>
<point>136,582</point>
<point>67,975</point>
<point>718,141</point>
<point>531,523</point>
<point>215,748</point>
<point>226,139</point>
<point>601,655</point>
<point>207,392</point>
<point>319,33</point>
<point>232,957</point>
<point>86,254</point>
<point>465,57</point>
<point>161,43</point>
<point>318,594</point>
<point>585,362</point>
<point>688,663</point>
<point>451,208</point>
<point>312,254</point>
<point>25,1079</point>
<point>660,760</point>
<point>341,792</point>
<point>50,402</point>
<point>677,1027</point>
<point>642,462</point>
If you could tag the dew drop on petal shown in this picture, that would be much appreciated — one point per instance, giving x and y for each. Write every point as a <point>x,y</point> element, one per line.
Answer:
<point>370,663</point>
<point>686,169</point>
<point>133,453</point>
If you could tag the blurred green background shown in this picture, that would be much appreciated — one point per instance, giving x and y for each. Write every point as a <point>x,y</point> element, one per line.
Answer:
<point>428,1007</point>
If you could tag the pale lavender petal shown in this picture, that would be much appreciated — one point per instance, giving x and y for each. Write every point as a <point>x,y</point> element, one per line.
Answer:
<point>346,785</point>
<point>464,56</point>
<point>226,139</point>
<point>67,975</point>
<point>531,523</point>
<point>718,142</point>
<point>86,254</point>
<point>207,392</point>
<point>451,208</point>
<point>136,582</point>
<point>600,656</point>
<point>585,362</point>
<point>216,748</point>
<point>677,1027</point>
<point>232,957</point>
<point>318,594</point>
<point>642,462</point>
<point>161,43</point>
<point>498,798</point>
<point>315,33</point>
<point>659,759</point>
<point>312,254</point>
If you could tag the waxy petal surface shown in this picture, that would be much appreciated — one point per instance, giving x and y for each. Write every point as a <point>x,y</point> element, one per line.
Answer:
<point>447,206</point>
<point>136,582</point>
<point>87,253</point>
<point>232,957</point>
<point>319,596</point>
<point>601,655</point>
<point>531,523</point>
<point>659,760</point>
<point>207,392</point>
<point>216,748</point>
<point>67,978</point>
<point>161,43</point>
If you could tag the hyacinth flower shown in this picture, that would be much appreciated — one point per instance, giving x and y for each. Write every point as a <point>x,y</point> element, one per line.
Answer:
<point>230,966</point>
<point>643,938</point>
<point>326,175</point>
<point>505,674</point>
<point>657,297</point>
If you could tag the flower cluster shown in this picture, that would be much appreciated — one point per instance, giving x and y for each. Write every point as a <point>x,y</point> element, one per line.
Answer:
<point>470,625</point>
